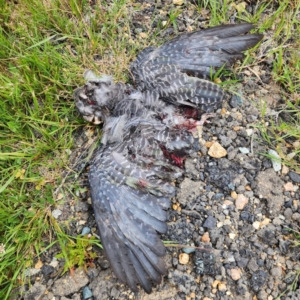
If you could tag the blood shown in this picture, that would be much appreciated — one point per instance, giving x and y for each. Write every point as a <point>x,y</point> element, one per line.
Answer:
<point>142,184</point>
<point>178,161</point>
<point>188,124</point>
<point>190,112</point>
<point>174,159</point>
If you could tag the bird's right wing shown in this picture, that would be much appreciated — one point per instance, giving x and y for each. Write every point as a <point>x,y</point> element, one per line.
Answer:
<point>165,69</point>
<point>129,210</point>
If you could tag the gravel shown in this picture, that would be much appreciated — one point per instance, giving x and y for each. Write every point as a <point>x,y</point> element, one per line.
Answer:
<point>232,214</point>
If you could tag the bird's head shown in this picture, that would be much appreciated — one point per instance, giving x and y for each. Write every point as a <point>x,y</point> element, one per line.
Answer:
<point>97,98</point>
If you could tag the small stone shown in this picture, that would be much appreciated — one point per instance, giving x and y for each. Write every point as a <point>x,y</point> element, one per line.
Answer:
<point>234,195</point>
<point>164,23</point>
<point>258,279</point>
<point>275,159</point>
<point>228,202</point>
<point>232,235</point>
<point>294,176</point>
<point>188,250</point>
<point>143,35</point>
<point>31,272</point>
<point>236,100</point>
<point>296,217</point>
<point>215,283</point>
<point>85,230</point>
<point>193,295</point>
<point>38,265</point>
<point>265,221</point>
<point>288,213</point>
<point>244,150</point>
<point>184,258</point>
<point>189,28</point>
<point>277,221</point>
<point>205,238</point>
<point>178,2</point>
<point>243,262</point>
<point>217,151</point>
<point>35,292</point>
<point>241,201</point>
<point>249,131</point>
<point>276,272</point>
<point>261,295</point>
<point>289,187</point>
<point>235,274</point>
<point>47,270</point>
<point>227,222</point>
<point>81,206</point>
<point>290,156</point>
<point>284,170</point>
<point>59,196</point>
<point>87,293</point>
<point>56,213</point>
<point>73,282</point>
<point>220,224</point>
<point>256,225</point>
<point>222,287</point>
<point>210,222</point>
<point>54,262</point>
<point>208,144</point>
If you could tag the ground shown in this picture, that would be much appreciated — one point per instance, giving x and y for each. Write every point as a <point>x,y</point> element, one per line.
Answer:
<point>229,228</point>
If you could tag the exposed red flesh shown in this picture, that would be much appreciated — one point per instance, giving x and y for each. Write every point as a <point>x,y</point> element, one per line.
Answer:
<point>190,112</point>
<point>174,159</point>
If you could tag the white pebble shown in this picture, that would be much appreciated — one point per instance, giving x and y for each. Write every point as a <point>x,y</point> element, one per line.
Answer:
<point>256,225</point>
<point>56,213</point>
<point>244,150</point>
<point>275,159</point>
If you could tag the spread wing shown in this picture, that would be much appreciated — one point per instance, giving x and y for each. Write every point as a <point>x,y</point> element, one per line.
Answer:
<point>130,189</point>
<point>128,220</point>
<point>165,69</point>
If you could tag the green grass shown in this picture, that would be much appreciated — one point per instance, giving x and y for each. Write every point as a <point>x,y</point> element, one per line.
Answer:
<point>45,48</point>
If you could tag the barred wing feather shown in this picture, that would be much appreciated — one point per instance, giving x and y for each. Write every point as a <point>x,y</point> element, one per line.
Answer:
<point>164,69</point>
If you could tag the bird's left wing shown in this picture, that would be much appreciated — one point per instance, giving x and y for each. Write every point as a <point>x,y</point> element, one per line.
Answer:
<point>165,68</point>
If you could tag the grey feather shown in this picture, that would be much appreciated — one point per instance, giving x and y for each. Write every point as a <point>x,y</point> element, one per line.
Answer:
<point>146,139</point>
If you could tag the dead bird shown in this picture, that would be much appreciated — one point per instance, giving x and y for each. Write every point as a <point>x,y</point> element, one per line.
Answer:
<point>147,134</point>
